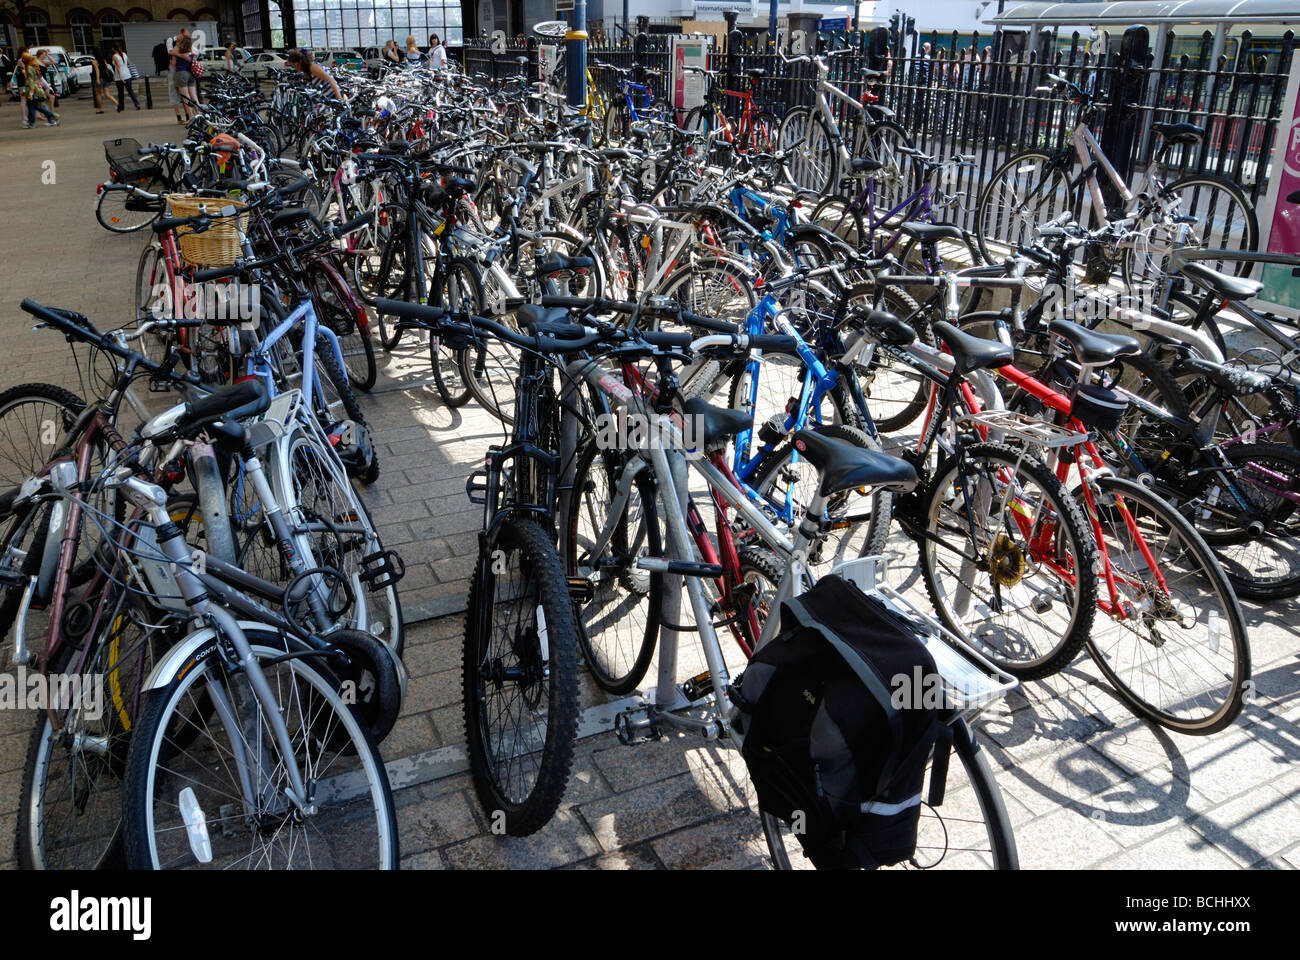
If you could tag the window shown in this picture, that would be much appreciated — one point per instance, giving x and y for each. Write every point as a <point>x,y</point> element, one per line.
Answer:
<point>36,28</point>
<point>83,33</point>
<point>110,28</point>
<point>362,23</point>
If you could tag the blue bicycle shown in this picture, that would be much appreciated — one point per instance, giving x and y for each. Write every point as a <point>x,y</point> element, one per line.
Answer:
<point>633,104</point>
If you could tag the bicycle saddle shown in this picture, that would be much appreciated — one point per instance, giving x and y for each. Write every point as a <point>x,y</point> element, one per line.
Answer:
<point>971,353</point>
<point>846,467</point>
<point>1180,132</point>
<point>719,423</point>
<point>1093,347</point>
<point>1236,380</point>
<point>864,164</point>
<point>886,326</point>
<point>290,218</point>
<point>930,232</point>
<point>557,262</point>
<point>1225,285</point>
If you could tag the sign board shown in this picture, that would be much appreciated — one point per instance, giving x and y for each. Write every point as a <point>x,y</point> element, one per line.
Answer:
<point>498,44</point>
<point>563,6</point>
<point>547,55</point>
<point>1280,221</point>
<point>834,23</point>
<point>711,11</point>
<point>687,86</point>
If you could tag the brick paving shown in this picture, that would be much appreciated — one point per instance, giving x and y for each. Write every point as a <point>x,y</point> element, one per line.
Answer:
<point>1085,783</point>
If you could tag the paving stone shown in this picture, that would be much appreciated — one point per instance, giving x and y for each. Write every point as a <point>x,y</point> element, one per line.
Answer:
<point>1254,826</point>
<point>565,840</point>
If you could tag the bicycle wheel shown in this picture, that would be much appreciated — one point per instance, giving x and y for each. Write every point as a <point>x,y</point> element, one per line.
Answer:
<point>969,830</point>
<point>884,142</point>
<point>368,258</point>
<point>1008,559</point>
<point>154,300</point>
<point>949,254</point>
<point>618,123</point>
<point>1255,541</point>
<point>1179,655</point>
<point>1212,212</point>
<point>520,677</point>
<point>1029,189</point>
<point>218,787</point>
<point>619,626</point>
<point>33,420</point>
<point>895,393</point>
<point>763,132</point>
<point>856,521</point>
<point>459,289</point>
<point>841,218</point>
<point>712,287</point>
<point>120,209</point>
<point>339,400</point>
<point>816,166</point>
<point>394,279</point>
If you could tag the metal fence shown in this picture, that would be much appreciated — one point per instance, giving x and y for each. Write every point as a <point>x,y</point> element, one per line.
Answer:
<point>988,98</point>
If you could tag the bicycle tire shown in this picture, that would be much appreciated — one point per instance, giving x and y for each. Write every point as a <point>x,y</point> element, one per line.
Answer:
<point>613,672</point>
<point>1048,187</point>
<point>34,406</point>
<point>327,365</point>
<point>112,212</point>
<point>992,811</point>
<point>902,411</point>
<point>1175,528</point>
<point>459,288</point>
<point>348,743</point>
<point>1064,640</point>
<point>521,812</point>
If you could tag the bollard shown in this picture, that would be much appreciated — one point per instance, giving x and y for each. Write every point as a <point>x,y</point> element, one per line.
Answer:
<point>95,93</point>
<point>148,95</point>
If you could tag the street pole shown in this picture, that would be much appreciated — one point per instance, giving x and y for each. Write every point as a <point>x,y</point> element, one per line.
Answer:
<point>575,44</point>
<point>771,25</point>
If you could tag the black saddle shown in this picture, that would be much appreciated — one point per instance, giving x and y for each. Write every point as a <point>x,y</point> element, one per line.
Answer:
<point>548,322</point>
<point>971,353</point>
<point>930,232</point>
<point>1235,380</point>
<point>846,467</point>
<point>864,164</point>
<point>557,262</point>
<point>719,423</point>
<point>1224,284</point>
<point>290,218</point>
<point>1093,347</point>
<point>886,326</point>
<point>1180,132</point>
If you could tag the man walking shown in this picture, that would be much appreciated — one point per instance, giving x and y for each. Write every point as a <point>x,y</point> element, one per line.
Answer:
<point>173,97</point>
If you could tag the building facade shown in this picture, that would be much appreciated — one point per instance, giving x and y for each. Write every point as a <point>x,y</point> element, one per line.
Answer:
<point>81,26</point>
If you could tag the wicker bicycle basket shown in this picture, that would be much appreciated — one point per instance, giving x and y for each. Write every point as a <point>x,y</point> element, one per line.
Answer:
<point>218,246</point>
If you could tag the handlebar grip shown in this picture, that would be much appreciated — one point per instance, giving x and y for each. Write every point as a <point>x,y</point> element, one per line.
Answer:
<point>667,338</point>
<point>709,323</point>
<point>571,303</point>
<point>774,343</point>
<point>410,311</point>
<point>216,273</point>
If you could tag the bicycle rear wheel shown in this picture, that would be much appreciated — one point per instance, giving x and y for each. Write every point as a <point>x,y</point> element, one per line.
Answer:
<point>1029,189</point>
<point>969,830</point>
<point>123,211</point>
<point>1179,655</point>
<point>520,677</point>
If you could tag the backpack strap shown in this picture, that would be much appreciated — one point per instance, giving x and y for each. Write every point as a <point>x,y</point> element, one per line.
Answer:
<point>939,769</point>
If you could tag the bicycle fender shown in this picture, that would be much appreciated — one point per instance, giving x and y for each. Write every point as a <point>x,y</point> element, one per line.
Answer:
<point>181,658</point>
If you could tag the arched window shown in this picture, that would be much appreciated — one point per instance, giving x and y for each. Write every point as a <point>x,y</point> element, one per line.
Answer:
<point>180,14</point>
<point>83,31</point>
<point>36,28</point>
<point>110,27</point>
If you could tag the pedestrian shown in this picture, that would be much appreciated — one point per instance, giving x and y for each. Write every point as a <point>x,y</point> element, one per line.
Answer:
<point>413,55</point>
<point>391,53</point>
<point>301,60</point>
<point>37,93</point>
<point>437,53</point>
<point>172,97</point>
<point>234,58</point>
<point>186,88</point>
<point>48,69</point>
<point>104,76</point>
<point>122,73</point>
<point>17,82</point>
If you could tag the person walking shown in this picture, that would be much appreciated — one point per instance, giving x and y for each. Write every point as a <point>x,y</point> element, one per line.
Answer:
<point>36,91</point>
<point>19,86</point>
<point>437,53</point>
<point>301,60</point>
<point>122,72</point>
<point>104,76</point>
<point>234,58</point>
<point>186,87</point>
<point>172,96</point>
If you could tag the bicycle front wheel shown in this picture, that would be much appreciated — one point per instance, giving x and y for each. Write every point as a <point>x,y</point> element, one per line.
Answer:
<point>520,678</point>
<point>969,830</point>
<point>206,778</point>
<point>1008,559</point>
<point>1028,190</point>
<point>1174,646</point>
<point>125,210</point>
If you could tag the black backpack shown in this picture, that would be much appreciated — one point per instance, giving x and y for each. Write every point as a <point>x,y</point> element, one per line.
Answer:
<point>828,748</point>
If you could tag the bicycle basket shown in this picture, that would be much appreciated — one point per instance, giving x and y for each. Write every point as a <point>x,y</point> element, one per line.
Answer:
<point>126,164</point>
<point>219,245</point>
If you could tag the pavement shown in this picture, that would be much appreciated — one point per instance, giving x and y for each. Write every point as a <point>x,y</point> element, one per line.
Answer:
<point>1086,784</point>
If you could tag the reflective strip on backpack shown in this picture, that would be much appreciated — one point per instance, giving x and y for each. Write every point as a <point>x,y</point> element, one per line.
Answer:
<point>883,809</point>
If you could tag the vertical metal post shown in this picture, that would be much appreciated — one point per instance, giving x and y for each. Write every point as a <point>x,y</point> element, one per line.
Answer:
<point>575,43</point>
<point>771,27</point>
<point>678,547</point>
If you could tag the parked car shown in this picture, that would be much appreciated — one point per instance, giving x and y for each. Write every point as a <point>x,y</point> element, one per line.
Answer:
<point>83,68</point>
<point>339,58</point>
<point>260,63</point>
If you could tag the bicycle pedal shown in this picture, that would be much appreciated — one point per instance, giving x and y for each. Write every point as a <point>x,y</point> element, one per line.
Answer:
<point>699,687</point>
<point>581,590</point>
<point>381,570</point>
<point>476,486</point>
<point>632,729</point>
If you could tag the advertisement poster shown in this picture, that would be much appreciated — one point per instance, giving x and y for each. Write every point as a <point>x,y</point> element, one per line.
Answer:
<point>1279,221</point>
<point>687,86</point>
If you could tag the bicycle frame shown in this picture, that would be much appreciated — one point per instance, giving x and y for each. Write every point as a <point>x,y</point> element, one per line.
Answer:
<point>259,361</point>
